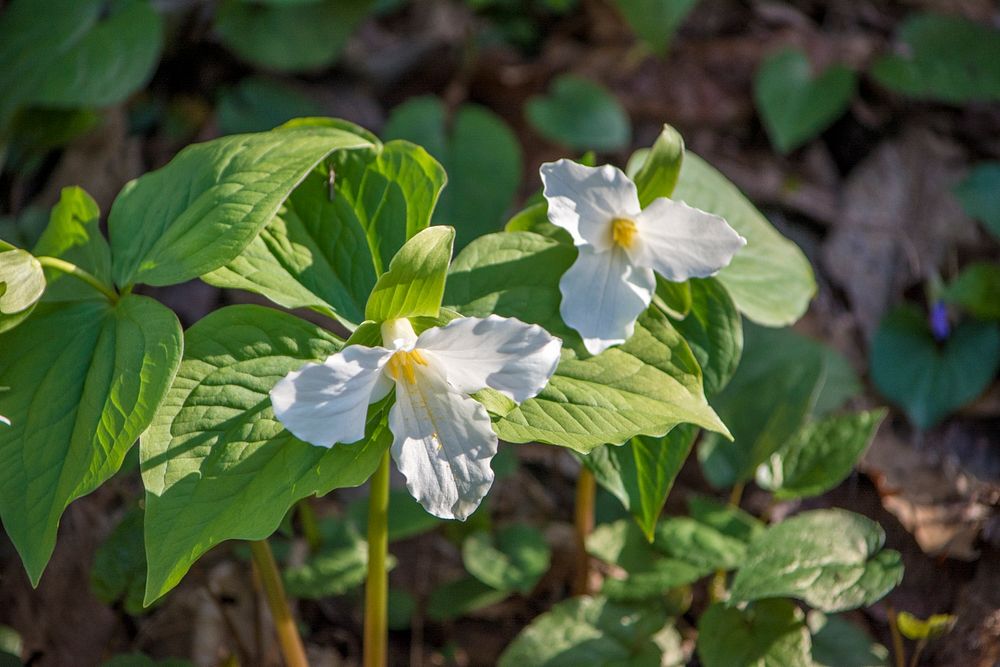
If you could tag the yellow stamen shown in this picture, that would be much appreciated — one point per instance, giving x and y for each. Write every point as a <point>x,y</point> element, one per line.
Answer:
<point>623,232</point>
<point>401,365</point>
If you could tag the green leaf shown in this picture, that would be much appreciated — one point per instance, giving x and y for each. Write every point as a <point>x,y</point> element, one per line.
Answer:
<point>74,234</point>
<point>287,36</point>
<point>646,386</point>
<point>794,103</point>
<point>461,597</point>
<point>946,58</point>
<point>783,379</point>
<point>413,286</point>
<point>642,472</point>
<point>339,566</point>
<point>977,290</point>
<point>589,632</point>
<point>674,299</point>
<point>727,519</point>
<point>207,204</point>
<point>119,569</point>
<point>260,103</point>
<point>22,284</point>
<point>770,279</point>
<point>977,194</point>
<point>655,170</point>
<point>77,404</point>
<point>927,379</point>
<point>831,559</point>
<point>714,330</point>
<point>836,642</point>
<point>407,517</point>
<point>579,114</point>
<point>769,633</point>
<point>480,153</point>
<point>916,629</point>
<point>325,252</point>
<point>655,21</point>
<point>35,132</point>
<point>216,463</point>
<point>68,53</point>
<point>140,660</point>
<point>820,456</point>
<point>514,560</point>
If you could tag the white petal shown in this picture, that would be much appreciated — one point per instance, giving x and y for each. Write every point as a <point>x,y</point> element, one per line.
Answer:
<point>327,403</point>
<point>602,295</point>
<point>681,242</point>
<point>443,444</point>
<point>505,354</point>
<point>584,200</point>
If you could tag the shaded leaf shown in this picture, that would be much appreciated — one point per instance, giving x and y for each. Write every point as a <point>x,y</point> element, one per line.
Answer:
<point>977,290</point>
<point>512,560</point>
<point>655,21</point>
<point>836,642</point>
<point>977,193</point>
<point>119,569</point>
<point>769,633</point>
<point>579,114</point>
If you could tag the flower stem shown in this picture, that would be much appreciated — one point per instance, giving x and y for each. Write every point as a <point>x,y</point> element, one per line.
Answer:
<point>898,652</point>
<point>583,522</point>
<point>376,588</point>
<point>73,270</point>
<point>284,624</point>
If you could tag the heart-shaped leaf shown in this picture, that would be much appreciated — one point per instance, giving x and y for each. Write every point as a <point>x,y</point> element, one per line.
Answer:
<point>769,633</point>
<point>794,104</point>
<point>929,380</point>
<point>514,560</point>
<point>831,559</point>
<point>479,152</point>
<point>580,114</point>
<point>836,642</point>
<point>655,21</point>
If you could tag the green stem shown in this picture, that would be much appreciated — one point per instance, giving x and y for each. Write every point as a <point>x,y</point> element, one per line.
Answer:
<point>376,589</point>
<point>718,590</point>
<point>73,270</point>
<point>310,527</point>
<point>274,592</point>
<point>583,523</point>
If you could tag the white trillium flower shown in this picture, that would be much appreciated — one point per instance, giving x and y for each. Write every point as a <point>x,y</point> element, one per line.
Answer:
<point>443,440</point>
<point>621,245</point>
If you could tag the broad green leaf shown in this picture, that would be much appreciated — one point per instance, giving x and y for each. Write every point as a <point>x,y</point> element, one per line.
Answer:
<point>326,246</point>
<point>770,279</point>
<point>646,386</point>
<point>797,104</point>
<point>216,463</point>
<point>655,170</point>
<point>682,552</point>
<point>460,597</point>
<point>714,330</point>
<point>407,517</point>
<point>512,560</point>
<point>77,404</point>
<point>655,21</point>
<point>916,628</point>
<point>641,472</point>
<point>35,132</point>
<point>579,114</point>
<point>119,569</point>
<point>535,218</point>
<point>820,456</point>
<point>831,559</point>
<point>927,379</point>
<point>260,103</point>
<point>977,290</point>
<point>782,380</point>
<point>413,285</point>
<point>22,284</point>
<point>946,58</point>
<point>207,204</point>
<point>978,195</point>
<point>289,36</point>
<point>727,519</point>
<point>67,53</point>
<point>74,234</point>
<point>589,632</point>
<point>836,642</point>
<point>140,660</point>
<point>339,566</point>
<point>480,153</point>
<point>674,299</point>
<point>769,633</point>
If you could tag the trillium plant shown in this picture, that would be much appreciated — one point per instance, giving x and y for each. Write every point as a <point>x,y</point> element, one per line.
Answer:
<point>601,319</point>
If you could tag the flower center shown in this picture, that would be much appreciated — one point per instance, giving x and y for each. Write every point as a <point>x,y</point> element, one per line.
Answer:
<point>401,365</point>
<point>623,231</point>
